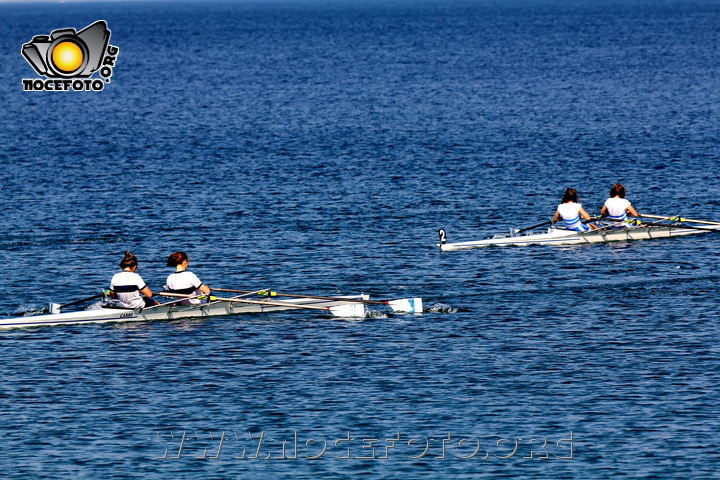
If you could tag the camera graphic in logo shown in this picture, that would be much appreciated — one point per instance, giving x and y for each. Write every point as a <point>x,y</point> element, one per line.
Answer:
<point>66,53</point>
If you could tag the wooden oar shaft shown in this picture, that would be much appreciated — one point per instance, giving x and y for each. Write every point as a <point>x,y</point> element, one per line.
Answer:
<point>183,299</point>
<point>314,297</point>
<point>678,219</point>
<point>81,301</point>
<point>255,302</point>
<point>689,227</point>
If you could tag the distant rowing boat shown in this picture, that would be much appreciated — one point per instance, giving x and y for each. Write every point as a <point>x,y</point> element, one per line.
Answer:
<point>608,232</point>
<point>341,306</point>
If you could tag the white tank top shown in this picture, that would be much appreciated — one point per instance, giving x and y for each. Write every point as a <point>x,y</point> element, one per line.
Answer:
<point>617,208</point>
<point>570,213</point>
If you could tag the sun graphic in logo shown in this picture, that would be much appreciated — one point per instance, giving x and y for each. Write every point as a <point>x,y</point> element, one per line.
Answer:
<point>67,56</point>
<point>68,59</point>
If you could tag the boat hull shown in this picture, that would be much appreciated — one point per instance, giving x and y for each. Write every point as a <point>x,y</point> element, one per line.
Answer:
<point>556,236</point>
<point>168,312</point>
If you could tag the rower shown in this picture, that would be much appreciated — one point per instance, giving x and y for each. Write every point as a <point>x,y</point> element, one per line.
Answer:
<point>127,286</point>
<point>617,206</point>
<point>184,281</point>
<point>571,212</point>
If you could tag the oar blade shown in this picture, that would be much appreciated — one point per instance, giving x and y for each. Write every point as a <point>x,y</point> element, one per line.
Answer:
<point>351,310</point>
<point>54,307</point>
<point>409,305</point>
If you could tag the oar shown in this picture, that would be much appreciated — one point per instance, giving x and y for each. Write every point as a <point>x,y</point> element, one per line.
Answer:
<point>412,305</point>
<point>55,308</point>
<point>535,226</point>
<point>200,296</point>
<point>81,301</point>
<point>339,310</point>
<point>167,304</point>
<point>679,219</point>
<point>658,224</point>
<point>689,227</point>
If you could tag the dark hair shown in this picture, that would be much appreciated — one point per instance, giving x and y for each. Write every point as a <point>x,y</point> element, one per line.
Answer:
<point>618,190</point>
<point>129,261</point>
<point>570,196</point>
<point>176,259</point>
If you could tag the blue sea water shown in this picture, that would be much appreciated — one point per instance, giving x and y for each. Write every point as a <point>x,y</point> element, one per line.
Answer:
<point>317,146</point>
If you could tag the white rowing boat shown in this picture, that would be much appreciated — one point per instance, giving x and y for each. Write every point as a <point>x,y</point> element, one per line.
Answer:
<point>342,306</point>
<point>608,232</point>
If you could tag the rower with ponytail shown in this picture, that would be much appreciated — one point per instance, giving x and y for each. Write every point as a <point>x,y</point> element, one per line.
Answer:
<point>129,287</point>
<point>184,281</point>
